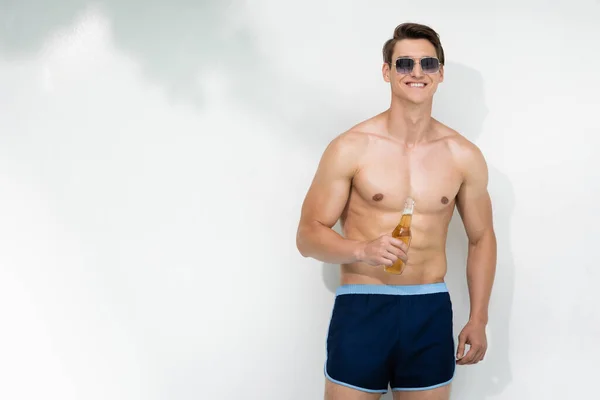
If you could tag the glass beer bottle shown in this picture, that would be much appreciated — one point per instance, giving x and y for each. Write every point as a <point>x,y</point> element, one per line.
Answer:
<point>402,232</point>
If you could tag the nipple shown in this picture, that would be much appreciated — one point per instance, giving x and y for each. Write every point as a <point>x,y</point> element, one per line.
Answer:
<point>445,200</point>
<point>378,197</point>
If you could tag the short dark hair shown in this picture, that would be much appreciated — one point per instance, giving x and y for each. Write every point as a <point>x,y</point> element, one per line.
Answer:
<point>410,30</point>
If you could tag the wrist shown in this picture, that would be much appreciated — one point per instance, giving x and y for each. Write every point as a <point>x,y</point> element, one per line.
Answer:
<point>358,251</point>
<point>480,320</point>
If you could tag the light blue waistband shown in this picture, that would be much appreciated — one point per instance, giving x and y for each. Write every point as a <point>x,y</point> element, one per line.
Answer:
<point>405,290</point>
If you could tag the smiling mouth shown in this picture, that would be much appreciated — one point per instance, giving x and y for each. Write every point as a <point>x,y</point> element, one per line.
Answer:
<point>416,84</point>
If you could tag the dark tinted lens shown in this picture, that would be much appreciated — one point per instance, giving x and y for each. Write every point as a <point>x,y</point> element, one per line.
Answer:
<point>404,65</point>
<point>430,65</point>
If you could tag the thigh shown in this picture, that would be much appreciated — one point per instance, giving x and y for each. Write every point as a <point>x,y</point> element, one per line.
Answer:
<point>441,393</point>
<point>334,391</point>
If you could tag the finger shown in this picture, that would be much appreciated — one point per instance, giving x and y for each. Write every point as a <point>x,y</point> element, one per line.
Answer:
<point>384,261</point>
<point>482,351</point>
<point>398,253</point>
<point>481,355</point>
<point>399,244</point>
<point>477,353</point>
<point>390,256</point>
<point>468,358</point>
<point>460,352</point>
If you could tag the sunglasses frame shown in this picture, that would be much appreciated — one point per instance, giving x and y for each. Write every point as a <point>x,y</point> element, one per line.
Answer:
<point>414,60</point>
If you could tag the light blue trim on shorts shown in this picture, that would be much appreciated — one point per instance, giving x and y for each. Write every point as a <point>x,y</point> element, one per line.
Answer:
<point>351,386</point>
<point>402,290</point>
<point>423,388</point>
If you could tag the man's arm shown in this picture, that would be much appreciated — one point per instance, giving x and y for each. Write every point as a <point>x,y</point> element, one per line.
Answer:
<point>325,202</point>
<point>475,208</point>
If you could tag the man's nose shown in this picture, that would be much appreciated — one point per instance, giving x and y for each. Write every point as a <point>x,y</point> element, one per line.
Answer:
<point>417,72</point>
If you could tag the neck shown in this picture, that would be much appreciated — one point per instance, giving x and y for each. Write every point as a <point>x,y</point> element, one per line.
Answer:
<point>409,122</point>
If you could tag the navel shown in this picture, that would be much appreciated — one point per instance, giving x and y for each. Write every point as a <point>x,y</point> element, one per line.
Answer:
<point>378,197</point>
<point>445,200</point>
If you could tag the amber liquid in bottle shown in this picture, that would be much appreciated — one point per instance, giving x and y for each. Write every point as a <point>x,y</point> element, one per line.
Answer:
<point>402,232</point>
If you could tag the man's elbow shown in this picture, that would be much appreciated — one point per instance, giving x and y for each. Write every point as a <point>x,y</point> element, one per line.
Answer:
<point>301,246</point>
<point>301,241</point>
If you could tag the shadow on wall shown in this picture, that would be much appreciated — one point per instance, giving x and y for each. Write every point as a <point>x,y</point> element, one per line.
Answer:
<point>179,44</point>
<point>174,41</point>
<point>460,103</point>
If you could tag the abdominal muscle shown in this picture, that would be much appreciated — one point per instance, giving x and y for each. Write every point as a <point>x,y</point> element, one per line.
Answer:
<point>426,255</point>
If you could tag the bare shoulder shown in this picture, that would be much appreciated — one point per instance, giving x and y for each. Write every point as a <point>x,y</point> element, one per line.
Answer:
<point>467,155</point>
<point>346,150</point>
<point>353,141</point>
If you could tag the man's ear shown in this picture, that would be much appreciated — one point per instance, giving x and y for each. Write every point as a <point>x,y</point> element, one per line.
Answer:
<point>385,71</point>
<point>441,73</point>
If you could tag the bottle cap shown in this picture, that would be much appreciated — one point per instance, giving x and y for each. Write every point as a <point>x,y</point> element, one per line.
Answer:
<point>409,205</point>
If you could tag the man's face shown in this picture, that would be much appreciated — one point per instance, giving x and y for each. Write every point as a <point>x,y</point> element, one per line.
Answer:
<point>409,79</point>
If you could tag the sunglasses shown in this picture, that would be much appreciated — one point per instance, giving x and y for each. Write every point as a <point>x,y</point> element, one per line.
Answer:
<point>429,65</point>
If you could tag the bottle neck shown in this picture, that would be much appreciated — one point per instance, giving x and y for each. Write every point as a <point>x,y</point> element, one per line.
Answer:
<point>409,207</point>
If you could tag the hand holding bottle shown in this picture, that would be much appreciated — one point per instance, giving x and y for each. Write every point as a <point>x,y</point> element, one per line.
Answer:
<point>385,250</point>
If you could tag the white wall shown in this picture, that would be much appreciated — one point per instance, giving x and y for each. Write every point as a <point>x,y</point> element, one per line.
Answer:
<point>154,157</point>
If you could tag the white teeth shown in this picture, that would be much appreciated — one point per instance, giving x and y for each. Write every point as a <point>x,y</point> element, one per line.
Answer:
<point>416,85</point>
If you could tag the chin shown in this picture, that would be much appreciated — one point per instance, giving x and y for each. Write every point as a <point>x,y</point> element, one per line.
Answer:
<point>423,99</point>
<point>415,96</point>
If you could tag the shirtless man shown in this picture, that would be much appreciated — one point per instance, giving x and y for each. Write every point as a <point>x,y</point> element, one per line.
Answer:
<point>389,329</point>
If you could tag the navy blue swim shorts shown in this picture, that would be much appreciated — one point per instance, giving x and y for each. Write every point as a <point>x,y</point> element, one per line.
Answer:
<point>381,335</point>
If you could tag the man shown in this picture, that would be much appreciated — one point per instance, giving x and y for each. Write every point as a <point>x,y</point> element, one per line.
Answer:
<point>396,329</point>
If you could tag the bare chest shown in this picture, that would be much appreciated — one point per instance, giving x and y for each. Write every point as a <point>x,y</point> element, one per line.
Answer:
<point>389,176</point>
